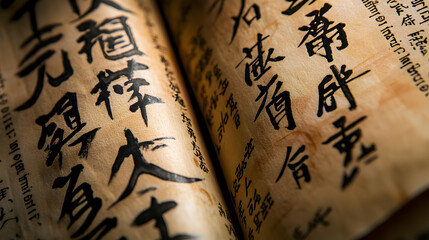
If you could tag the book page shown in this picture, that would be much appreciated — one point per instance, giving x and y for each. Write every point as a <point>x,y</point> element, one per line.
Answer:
<point>318,109</point>
<point>99,139</point>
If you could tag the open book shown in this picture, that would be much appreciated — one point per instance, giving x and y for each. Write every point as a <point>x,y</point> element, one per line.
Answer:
<point>296,119</point>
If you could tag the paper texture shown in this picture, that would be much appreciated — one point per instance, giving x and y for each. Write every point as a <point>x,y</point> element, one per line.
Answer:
<point>319,109</point>
<point>98,135</point>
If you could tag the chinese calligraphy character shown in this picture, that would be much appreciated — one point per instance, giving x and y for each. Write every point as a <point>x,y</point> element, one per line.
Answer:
<point>418,41</point>
<point>40,61</point>
<point>4,220</point>
<point>256,13</point>
<point>281,103</point>
<point>408,20</point>
<point>347,139</point>
<point>319,219</point>
<point>3,193</point>
<point>299,168</point>
<point>113,35</point>
<point>327,91</point>
<point>258,67</point>
<point>67,108</point>
<point>155,212</point>
<point>232,105</point>
<point>4,212</point>
<point>253,202</point>
<point>106,78</point>
<point>282,108</point>
<point>141,165</point>
<point>79,200</point>
<point>222,124</point>
<point>399,7</point>
<point>322,34</point>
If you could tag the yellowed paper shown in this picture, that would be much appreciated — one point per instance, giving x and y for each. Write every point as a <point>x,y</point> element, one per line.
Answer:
<point>318,109</point>
<point>98,135</point>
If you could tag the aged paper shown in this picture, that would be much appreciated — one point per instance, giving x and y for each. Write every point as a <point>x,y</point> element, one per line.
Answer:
<point>98,135</point>
<point>318,109</point>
